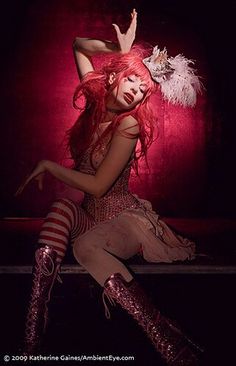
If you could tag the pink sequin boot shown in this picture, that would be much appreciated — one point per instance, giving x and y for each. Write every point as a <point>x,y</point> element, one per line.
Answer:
<point>168,339</point>
<point>44,275</point>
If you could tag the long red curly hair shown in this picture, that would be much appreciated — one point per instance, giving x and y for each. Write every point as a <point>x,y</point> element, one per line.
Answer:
<point>94,88</point>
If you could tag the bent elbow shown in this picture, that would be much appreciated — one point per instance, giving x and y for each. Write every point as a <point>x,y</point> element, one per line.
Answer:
<point>99,192</point>
<point>76,44</point>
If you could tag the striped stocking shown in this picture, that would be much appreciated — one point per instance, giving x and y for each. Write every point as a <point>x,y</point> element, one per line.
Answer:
<point>65,221</point>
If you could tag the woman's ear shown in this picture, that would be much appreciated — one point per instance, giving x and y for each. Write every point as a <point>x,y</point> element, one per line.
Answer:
<point>112,78</point>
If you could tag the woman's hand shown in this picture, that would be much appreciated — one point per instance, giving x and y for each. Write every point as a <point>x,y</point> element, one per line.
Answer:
<point>126,40</point>
<point>37,174</point>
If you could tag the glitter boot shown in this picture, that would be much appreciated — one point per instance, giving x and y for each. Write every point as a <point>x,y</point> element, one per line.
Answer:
<point>175,348</point>
<point>44,275</point>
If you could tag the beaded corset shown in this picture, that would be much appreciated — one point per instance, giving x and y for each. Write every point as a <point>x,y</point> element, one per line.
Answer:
<point>117,199</point>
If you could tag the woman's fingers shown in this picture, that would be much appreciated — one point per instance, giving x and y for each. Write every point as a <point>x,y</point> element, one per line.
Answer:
<point>27,181</point>
<point>126,39</point>
<point>40,179</point>
<point>18,192</point>
<point>22,186</point>
<point>133,24</point>
<point>37,174</point>
<point>117,29</point>
<point>134,16</point>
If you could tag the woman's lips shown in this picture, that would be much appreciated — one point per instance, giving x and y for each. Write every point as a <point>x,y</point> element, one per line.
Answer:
<point>128,98</point>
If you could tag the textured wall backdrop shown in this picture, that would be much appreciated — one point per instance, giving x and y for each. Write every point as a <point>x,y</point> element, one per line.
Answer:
<point>39,78</point>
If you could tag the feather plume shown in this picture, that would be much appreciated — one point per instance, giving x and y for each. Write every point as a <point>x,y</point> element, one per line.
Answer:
<point>177,78</point>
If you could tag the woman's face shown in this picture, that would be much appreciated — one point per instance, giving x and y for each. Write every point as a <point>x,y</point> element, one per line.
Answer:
<point>127,94</point>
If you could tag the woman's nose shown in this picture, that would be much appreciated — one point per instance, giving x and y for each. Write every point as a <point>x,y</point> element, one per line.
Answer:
<point>134,90</point>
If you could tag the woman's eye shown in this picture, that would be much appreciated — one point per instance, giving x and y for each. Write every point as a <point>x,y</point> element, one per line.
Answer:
<point>142,91</point>
<point>130,79</point>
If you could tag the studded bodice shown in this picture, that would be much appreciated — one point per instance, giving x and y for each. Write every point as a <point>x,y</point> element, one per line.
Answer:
<point>117,199</point>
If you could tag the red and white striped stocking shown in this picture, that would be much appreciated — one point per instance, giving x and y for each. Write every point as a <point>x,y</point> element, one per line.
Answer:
<point>65,221</point>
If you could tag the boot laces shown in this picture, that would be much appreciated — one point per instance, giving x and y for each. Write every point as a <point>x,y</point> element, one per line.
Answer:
<point>105,295</point>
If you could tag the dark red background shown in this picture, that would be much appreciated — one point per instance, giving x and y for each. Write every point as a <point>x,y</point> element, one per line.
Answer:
<point>193,160</point>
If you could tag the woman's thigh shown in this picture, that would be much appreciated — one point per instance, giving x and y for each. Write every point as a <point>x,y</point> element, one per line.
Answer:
<point>118,236</point>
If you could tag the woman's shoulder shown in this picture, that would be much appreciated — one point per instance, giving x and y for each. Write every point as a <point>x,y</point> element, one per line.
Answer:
<point>128,124</point>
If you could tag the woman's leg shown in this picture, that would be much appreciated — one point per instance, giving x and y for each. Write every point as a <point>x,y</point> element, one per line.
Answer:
<point>64,222</point>
<point>95,251</point>
<point>98,249</point>
<point>168,339</point>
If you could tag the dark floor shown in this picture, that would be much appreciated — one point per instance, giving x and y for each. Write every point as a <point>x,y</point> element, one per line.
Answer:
<point>203,304</point>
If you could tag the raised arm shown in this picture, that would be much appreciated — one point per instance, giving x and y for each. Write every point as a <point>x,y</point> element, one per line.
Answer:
<point>119,153</point>
<point>84,48</point>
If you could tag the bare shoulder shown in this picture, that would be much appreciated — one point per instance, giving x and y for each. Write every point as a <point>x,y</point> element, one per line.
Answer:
<point>129,124</point>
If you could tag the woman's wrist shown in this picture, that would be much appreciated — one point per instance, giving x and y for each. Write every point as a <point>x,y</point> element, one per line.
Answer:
<point>46,165</point>
<point>94,46</point>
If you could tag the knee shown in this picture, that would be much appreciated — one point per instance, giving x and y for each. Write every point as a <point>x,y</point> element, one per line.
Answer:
<point>83,252</point>
<point>65,207</point>
<point>62,202</point>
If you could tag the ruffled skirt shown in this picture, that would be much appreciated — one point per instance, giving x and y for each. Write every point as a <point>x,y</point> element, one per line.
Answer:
<point>156,240</point>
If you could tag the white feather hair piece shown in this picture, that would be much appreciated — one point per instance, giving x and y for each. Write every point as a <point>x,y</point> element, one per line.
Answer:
<point>177,78</point>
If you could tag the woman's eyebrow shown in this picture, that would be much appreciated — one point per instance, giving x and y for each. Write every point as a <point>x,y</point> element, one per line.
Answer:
<point>141,83</point>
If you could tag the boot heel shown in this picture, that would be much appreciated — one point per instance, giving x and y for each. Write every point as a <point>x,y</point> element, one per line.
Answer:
<point>44,274</point>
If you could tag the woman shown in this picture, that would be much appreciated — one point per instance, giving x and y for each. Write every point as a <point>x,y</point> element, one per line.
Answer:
<point>112,223</point>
